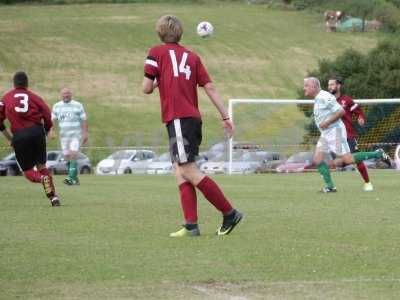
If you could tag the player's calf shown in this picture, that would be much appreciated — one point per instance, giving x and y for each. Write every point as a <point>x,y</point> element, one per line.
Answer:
<point>33,176</point>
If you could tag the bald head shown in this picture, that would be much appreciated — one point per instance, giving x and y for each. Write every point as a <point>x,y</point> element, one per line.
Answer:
<point>312,87</point>
<point>66,94</point>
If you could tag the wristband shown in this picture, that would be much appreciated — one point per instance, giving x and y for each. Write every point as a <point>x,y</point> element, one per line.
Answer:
<point>225,119</point>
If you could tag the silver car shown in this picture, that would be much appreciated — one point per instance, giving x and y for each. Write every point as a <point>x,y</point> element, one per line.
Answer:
<point>126,162</point>
<point>161,165</point>
<point>249,161</point>
<point>58,165</point>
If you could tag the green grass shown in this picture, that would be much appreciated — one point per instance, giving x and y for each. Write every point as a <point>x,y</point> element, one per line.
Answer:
<point>109,240</point>
<point>98,50</point>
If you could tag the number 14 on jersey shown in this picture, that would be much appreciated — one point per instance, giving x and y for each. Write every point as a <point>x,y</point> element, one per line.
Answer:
<point>182,68</point>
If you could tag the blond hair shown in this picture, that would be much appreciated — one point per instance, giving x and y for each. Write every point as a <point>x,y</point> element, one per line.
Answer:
<point>169,29</point>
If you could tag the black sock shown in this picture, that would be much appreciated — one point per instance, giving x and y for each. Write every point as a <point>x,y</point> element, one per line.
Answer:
<point>191,226</point>
<point>231,215</point>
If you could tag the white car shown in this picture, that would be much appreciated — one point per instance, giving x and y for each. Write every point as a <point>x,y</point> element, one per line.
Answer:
<point>161,165</point>
<point>125,162</point>
<point>217,164</point>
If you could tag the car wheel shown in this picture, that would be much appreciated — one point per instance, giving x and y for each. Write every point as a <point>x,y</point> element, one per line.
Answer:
<point>127,171</point>
<point>85,170</point>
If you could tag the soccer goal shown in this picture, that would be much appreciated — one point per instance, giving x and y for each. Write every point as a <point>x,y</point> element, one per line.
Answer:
<point>286,126</point>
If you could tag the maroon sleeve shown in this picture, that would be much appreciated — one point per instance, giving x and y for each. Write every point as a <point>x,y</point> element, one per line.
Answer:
<point>356,109</point>
<point>151,64</point>
<point>2,116</point>
<point>45,111</point>
<point>202,75</point>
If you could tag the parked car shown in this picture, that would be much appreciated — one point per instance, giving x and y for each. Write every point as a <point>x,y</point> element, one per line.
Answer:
<point>161,165</point>
<point>249,161</point>
<point>218,164</point>
<point>9,166</point>
<point>299,162</point>
<point>214,165</point>
<point>202,158</point>
<point>222,147</point>
<point>58,165</point>
<point>377,164</point>
<point>126,162</point>
<point>270,164</point>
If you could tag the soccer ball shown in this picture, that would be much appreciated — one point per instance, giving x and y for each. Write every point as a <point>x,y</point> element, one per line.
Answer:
<point>205,29</point>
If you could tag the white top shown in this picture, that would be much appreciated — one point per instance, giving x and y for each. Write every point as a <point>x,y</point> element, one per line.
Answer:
<point>70,116</point>
<point>325,106</point>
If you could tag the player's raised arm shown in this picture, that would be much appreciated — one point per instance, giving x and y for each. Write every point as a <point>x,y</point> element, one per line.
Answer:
<point>214,96</point>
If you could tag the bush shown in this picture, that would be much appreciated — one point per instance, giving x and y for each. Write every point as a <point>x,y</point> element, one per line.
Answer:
<point>395,2</point>
<point>389,15</point>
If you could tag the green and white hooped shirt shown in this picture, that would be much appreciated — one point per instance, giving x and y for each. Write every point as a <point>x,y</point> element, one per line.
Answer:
<point>69,116</point>
<point>325,105</point>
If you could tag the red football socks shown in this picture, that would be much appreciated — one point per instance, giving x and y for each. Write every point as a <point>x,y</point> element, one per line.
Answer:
<point>214,195</point>
<point>189,202</point>
<point>33,176</point>
<point>363,171</point>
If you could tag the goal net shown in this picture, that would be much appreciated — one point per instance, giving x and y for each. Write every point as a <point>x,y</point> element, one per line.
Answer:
<point>286,126</point>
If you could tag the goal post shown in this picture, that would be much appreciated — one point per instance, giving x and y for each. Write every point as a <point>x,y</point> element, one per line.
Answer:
<point>287,126</point>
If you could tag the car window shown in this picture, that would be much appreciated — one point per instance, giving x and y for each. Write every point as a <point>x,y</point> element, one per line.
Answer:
<point>123,154</point>
<point>138,156</point>
<point>10,156</point>
<point>52,156</point>
<point>300,157</point>
<point>254,156</point>
<point>218,157</point>
<point>164,157</point>
<point>220,147</point>
<point>149,155</point>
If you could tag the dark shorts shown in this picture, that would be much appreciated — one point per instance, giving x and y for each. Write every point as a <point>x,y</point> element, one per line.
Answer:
<point>184,139</point>
<point>30,147</point>
<point>353,145</point>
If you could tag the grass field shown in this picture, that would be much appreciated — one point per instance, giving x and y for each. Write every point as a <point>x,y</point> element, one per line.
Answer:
<point>98,50</point>
<point>109,240</point>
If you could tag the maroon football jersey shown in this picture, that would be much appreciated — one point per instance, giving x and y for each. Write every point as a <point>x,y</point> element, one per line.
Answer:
<point>24,109</point>
<point>178,72</point>
<point>350,109</point>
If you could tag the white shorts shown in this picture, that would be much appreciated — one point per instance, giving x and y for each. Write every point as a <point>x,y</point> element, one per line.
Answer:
<point>334,141</point>
<point>69,145</point>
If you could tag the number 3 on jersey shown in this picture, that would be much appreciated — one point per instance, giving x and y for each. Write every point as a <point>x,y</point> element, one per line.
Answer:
<point>182,68</point>
<point>24,101</point>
